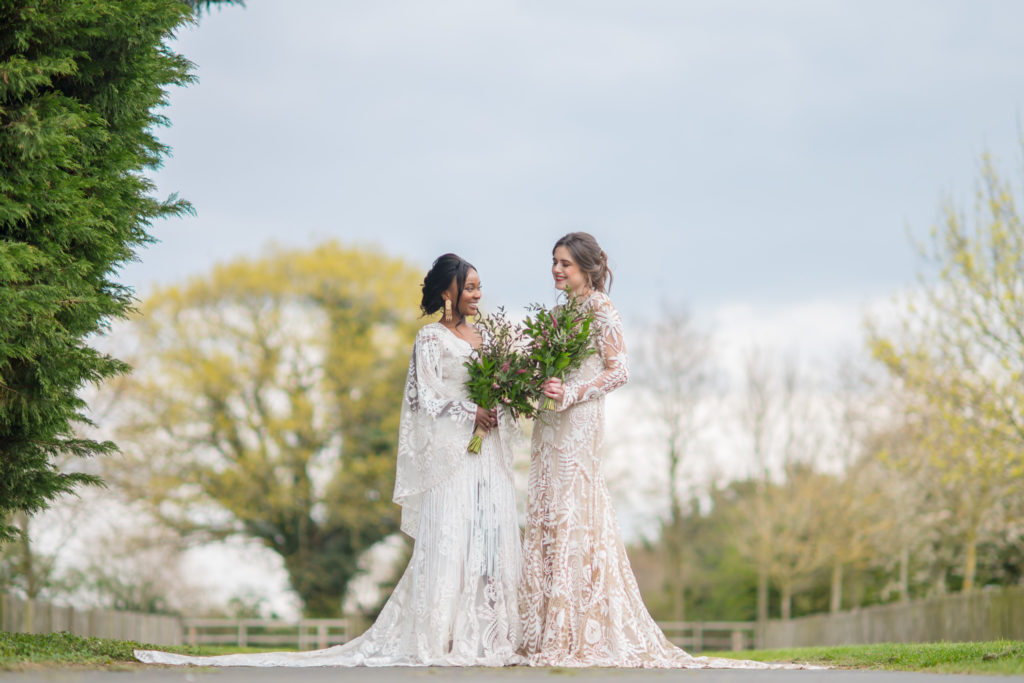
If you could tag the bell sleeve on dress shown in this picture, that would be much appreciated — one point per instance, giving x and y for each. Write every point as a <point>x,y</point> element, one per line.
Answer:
<point>611,347</point>
<point>437,422</point>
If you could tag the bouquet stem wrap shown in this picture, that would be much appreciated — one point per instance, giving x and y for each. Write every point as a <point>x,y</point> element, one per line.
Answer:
<point>477,442</point>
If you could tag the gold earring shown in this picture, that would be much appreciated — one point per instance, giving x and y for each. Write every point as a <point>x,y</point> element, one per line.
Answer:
<point>447,310</point>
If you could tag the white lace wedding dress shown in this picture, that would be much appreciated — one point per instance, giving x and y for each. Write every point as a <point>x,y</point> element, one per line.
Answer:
<point>579,600</point>
<point>455,605</point>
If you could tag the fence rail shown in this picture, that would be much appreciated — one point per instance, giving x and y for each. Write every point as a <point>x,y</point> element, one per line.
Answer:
<point>988,614</point>
<point>305,634</point>
<point>308,634</point>
<point>698,636</point>
<point>980,615</point>
<point>35,616</point>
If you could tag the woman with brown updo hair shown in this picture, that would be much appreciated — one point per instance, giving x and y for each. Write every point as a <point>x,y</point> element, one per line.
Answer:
<point>578,598</point>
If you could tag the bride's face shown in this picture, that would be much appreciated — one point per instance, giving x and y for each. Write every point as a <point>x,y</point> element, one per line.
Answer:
<point>469,304</point>
<point>567,272</point>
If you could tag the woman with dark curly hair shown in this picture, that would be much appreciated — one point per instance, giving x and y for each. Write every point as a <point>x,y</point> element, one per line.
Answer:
<point>455,605</point>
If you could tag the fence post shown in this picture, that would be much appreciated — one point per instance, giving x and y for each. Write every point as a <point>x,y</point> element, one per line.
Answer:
<point>321,636</point>
<point>242,635</point>
<point>737,640</point>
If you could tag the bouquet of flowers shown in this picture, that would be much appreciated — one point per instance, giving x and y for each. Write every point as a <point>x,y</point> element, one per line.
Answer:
<point>500,372</point>
<point>559,339</point>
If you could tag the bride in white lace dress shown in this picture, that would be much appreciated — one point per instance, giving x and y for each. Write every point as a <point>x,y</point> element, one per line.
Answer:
<point>455,605</point>
<point>579,600</point>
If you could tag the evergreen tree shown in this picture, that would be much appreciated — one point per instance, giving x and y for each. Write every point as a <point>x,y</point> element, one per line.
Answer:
<point>80,81</point>
<point>200,5</point>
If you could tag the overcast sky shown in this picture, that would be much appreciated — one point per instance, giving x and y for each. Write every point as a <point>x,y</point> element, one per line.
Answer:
<point>757,161</point>
<point>732,156</point>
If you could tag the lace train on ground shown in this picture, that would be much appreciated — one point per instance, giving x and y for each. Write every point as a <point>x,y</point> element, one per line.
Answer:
<point>579,600</point>
<point>455,605</point>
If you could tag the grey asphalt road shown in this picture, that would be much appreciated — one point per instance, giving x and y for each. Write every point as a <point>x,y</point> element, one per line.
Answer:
<point>482,675</point>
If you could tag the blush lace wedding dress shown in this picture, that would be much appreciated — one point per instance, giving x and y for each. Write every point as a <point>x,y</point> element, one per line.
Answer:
<point>579,600</point>
<point>455,605</point>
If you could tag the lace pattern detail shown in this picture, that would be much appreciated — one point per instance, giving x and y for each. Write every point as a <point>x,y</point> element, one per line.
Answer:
<point>579,600</point>
<point>466,599</point>
<point>606,370</point>
<point>437,420</point>
<point>456,603</point>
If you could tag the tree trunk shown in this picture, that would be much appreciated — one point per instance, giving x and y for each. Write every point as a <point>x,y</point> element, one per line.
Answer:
<point>836,597</point>
<point>320,578</point>
<point>905,573</point>
<point>764,549</point>
<point>786,600</point>
<point>27,565</point>
<point>678,591</point>
<point>676,575</point>
<point>762,594</point>
<point>675,572</point>
<point>970,561</point>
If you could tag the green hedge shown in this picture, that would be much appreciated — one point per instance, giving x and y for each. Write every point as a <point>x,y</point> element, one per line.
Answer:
<point>80,84</point>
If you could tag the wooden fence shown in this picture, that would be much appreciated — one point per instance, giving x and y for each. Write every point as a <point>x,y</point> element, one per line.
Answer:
<point>305,634</point>
<point>308,634</point>
<point>698,636</point>
<point>979,615</point>
<point>961,617</point>
<point>35,616</point>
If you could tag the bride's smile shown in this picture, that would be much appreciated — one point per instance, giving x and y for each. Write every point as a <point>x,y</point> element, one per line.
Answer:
<point>567,273</point>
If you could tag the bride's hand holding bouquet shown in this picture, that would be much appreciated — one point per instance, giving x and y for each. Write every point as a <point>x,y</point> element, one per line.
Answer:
<point>559,343</point>
<point>501,373</point>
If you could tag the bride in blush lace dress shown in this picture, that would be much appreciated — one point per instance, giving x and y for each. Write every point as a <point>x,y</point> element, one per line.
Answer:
<point>579,600</point>
<point>455,605</point>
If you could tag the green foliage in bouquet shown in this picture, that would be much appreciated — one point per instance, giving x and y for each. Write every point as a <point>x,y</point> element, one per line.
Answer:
<point>501,372</point>
<point>559,339</point>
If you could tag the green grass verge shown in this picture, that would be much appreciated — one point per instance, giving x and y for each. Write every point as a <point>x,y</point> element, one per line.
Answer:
<point>25,651</point>
<point>995,657</point>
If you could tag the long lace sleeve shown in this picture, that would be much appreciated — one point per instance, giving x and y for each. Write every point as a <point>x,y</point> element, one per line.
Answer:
<point>426,390</point>
<point>611,348</point>
<point>436,423</point>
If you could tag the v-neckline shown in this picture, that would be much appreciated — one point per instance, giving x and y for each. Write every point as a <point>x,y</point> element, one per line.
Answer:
<point>464,341</point>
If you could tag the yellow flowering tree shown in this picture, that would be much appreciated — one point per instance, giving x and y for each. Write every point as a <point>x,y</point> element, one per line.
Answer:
<point>266,404</point>
<point>957,351</point>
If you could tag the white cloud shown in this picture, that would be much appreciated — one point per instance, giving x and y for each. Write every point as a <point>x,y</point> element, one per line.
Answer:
<point>759,160</point>
<point>749,151</point>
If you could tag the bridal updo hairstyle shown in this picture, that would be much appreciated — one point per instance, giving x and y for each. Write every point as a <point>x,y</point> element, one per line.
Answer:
<point>589,256</point>
<point>446,268</point>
